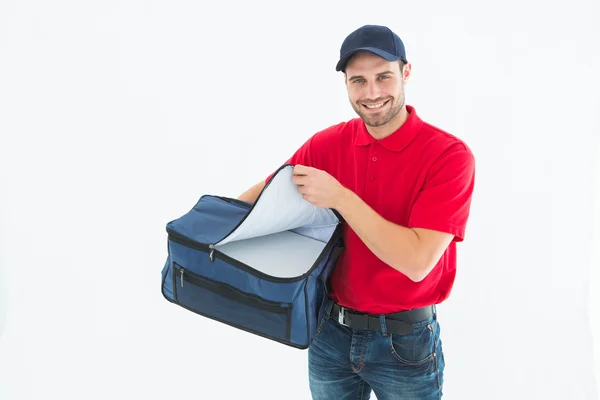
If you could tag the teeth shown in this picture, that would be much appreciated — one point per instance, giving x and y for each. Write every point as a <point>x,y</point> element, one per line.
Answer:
<point>374,105</point>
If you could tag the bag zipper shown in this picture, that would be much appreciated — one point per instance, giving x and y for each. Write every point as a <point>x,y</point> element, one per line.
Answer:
<point>213,253</point>
<point>235,201</point>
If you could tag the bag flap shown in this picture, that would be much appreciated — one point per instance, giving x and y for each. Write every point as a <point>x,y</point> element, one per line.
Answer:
<point>280,207</point>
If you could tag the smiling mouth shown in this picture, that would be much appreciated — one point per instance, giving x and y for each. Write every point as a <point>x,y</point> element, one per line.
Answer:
<point>375,106</point>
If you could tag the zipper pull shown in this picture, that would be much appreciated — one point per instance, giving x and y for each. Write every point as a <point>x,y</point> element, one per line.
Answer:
<point>211,256</point>
<point>181,270</point>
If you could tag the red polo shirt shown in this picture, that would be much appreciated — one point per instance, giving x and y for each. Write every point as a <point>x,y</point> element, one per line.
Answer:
<point>418,177</point>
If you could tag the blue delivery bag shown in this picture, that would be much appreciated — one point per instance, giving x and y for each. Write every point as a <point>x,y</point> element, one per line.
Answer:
<point>262,268</point>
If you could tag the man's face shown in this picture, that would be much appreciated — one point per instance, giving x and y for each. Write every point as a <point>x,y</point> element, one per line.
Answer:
<point>375,88</point>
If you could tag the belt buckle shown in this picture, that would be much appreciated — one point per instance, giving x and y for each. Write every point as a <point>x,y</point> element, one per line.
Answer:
<point>341,319</point>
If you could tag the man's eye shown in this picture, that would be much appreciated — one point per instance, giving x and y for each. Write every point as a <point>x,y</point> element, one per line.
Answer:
<point>384,77</point>
<point>358,80</point>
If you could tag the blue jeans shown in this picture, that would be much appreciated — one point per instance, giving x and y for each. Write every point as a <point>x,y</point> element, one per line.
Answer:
<point>346,363</point>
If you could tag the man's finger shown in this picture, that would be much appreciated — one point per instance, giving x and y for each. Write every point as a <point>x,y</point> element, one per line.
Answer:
<point>298,179</point>
<point>302,189</point>
<point>301,169</point>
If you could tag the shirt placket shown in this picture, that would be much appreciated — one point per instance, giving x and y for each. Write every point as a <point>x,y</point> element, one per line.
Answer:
<point>372,171</point>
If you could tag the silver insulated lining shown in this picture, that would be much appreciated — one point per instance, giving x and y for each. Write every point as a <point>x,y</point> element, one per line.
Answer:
<point>284,234</point>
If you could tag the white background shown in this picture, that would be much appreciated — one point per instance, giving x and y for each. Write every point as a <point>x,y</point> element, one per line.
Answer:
<point>116,116</point>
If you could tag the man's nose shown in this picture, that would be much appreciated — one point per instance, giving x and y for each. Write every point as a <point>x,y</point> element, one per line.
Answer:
<point>373,91</point>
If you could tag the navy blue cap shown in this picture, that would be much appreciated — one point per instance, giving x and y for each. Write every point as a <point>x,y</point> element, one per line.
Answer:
<point>377,39</point>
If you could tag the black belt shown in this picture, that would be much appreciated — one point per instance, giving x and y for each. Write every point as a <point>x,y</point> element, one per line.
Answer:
<point>399,323</point>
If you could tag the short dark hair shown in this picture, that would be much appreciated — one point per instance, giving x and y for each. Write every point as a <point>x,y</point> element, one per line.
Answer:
<point>401,64</point>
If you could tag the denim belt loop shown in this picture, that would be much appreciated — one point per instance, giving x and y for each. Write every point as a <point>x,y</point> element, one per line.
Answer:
<point>383,326</point>
<point>328,308</point>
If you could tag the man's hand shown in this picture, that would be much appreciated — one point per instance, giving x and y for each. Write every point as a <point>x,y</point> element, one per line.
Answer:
<point>318,187</point>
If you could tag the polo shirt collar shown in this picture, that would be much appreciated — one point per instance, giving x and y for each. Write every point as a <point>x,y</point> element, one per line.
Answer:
<point>398,140</point>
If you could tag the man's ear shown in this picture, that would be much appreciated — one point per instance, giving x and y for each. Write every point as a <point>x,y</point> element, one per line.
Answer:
<point>406,70</point>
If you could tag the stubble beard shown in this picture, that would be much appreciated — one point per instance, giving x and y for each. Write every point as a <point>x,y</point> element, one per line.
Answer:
<point>380,120</point>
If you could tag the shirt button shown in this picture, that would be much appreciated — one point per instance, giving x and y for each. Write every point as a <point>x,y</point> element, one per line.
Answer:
<point>372,178</point>
<point>374,158</point>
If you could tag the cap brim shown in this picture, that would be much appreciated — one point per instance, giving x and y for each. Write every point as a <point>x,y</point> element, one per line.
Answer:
<point>341,65</point>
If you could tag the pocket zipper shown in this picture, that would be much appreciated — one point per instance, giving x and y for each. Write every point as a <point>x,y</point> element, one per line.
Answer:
<point>274,306</point>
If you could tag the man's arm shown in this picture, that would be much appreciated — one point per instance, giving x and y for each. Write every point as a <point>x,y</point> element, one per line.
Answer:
<point>438,216</point>
<point>412,251</point>
<point>251,194</point>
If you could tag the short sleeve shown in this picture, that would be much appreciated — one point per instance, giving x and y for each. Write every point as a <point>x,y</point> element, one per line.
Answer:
<point>302,156</point>
<point>444,202</point>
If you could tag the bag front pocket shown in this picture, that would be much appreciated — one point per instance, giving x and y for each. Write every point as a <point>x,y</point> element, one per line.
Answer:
<point>230,305</point>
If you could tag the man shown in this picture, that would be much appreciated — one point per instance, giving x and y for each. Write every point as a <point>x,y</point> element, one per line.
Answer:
<point>404,190</point>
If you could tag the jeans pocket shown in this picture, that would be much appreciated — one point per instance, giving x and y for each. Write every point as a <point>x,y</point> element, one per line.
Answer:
<point>416,348</point>
<point>320,327</point>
